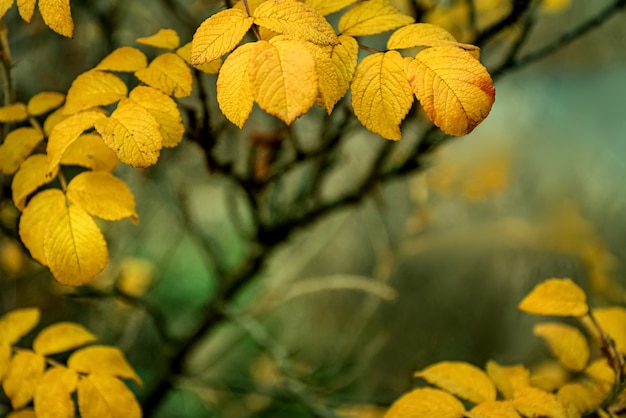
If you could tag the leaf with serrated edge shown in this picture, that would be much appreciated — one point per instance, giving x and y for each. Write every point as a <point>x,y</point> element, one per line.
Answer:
<point>90,151</point>
<point>57,16</point>
<point>613,321</point>
<point>44,102</point>
<point>426,403</point>
<point>211,67</point>
<point>35,218</point>
<point>102,359</point>
<point>53,393</point>
<point>17,323</point>
<point>372,17</point>
<point>345,56</point>
<point>124,59</point>
<point>169,73</point>
<point>93,88</point>
<point>18,145</point>
<point>164,110</point>
<point>20,380</point>
<point>105,396</point>
<point>327,78</point>
<point>295,19</point>
<point>567,344</point>
<point>533,402</point>
<point>32,174</point>
<point>326,7</point>
<point>218,35</point>
<point>234,92</point>
<point>15,112</point>
<point>462,379</point>
<point>26,8</point>
<point>164,38</point>
<point>381,95</point>
<point>558,297</point>
<point>60,337</point>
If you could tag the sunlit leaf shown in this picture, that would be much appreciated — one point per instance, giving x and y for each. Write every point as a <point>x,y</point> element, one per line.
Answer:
<point>164,38</point>
<point>18,145</point>
<point>508,379</point>
<point>327,78</point>
<point>211,67</point>
<point>493,409</point>
<point>426,403</point>
<point>35,218</point>
<point>532,402</point>
<point>559,297</point>
<point>102,360</point>
<point>5,5</point>
<point>419,34</point>
<point>124,59</point>
<point>22,413</point>
<point>462,379</point>
<point>169,73</point>
<point>53,119</point>
<point>26,9</point>
<point>164,110</point>
<point>326,7</point>
<point>93,88</point>
<point>15,112</point>
<point>234,92</point>
<point>600,371</point>
<point>613,321</point>
<point>567,344</point>
<point>549,375</point>
<point>372,17</point>
<point>218,35</point>
<point>20,380</point>
<point>90,151</point>
<point>135,276</point>
<point>554,6</point>
<point>44,102</point>
<point>60,337</point>
<point>583,397</point>
<point>105,396</point>
<point>57,16</point>
<point>32,174</point>
<point>53,393</point>
<point>344,56</point>
<point>17,323</point>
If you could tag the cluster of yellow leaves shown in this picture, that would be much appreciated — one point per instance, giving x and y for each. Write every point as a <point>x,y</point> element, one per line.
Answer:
<point>572,386</point>
<point>299,60</point>
<point>56,14</point>
<point>39,386</point>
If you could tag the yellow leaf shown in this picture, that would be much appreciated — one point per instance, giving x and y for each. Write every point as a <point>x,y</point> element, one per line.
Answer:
<point>135,276</point>
<point>559,297</point>
<point>426,403</point>
<point>5,358</point>
<point>22,413</point>
<point>18,145</point>
<point>35,218</point>
<point>44,102</point>
<point>454,89</point>
<point>15,112</point>
<point>169,73</point>
<point>326,7</point>
<point>381,95</point>
<point>17,323</point>
<point>218,35</point>
<point>124,59</point>
<point>57,16</point>
<point>164,110</point>
<point>532,402</point>
<point>211,67</point>
<point>283,77</point>
<point>164,38</point>
<point>60,337</point>
<point>372,17</point>
<point>426,34</point>
<point>103,195</point>
<point>509,379</point>
<point>549,375</point>
<point>32,174</point>
<point>567,344</point>
<point>133,133</point>
<point>90,151</point>
<point>93,88</point>
<point>104,360</point>
<point>53,393</point>
<point>66,132</point>
<point>5,5</point>
<point>25,370</point>
<point>345,56</point>
<point>493,409</point>
<point>73,245</point>
<point>26,9</point>
<point>327,78</point>
<point>461,379</point>
<point>295,19</point>
<point>52,119</point>
<point>613,321</point>
<point>101,396</point>
<point>554,6</point>
<point>234,92</point>
<point>584,397</point>
<point>600,371</point>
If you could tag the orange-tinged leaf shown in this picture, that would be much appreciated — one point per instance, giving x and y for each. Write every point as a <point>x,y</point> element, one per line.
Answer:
<point>133,133</point>
<point>35,218</point>
<point>169,73</point>
<point>60,337</point>
<point>283,78</point>
<point>90,151</point>
<point>26,8</point>
<point>234,92</point>
<point>164,110</point>
<point>102,360</point>
<point>102,396</point>
<point>508,379</point>
<point>295,19</point>
<point>211,67</point>
<point>218,35</point>
<point>44,102</point>
<point>532,402</point>
<point>613,321</point>
<point>15,112</point>
<point>426,403</point>
<point>164,38</point>
<point>326,7</point>
<point>454,89</point>
<point>124,59</point>
<point>567,344</point>
<point>381,95</point>
<point>32,174</point>
<point>22,413</point>
<point>559,297</point>
<point>57,16</point>
<point>493,409</point>
<point>53,393</point>
<point>462,379</point>
<point>17,323</point>
<point>18,145</point>
<point>20,380</point>
<point>345,56</point>
<point>93,88</point>
<point>372,17</point>
<point>103,195</point>
<point>73,245</point>
<point>5,5</point>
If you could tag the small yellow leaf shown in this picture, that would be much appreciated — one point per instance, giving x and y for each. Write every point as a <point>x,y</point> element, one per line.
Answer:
<point>326,7</point>
<point>60,337</point>
<point>105,396</point>
<point>345,56</point>
<point>26,9</point>
<point>18,145</point>
<point>44,102</point>
<point>90,151</point>
<point>283,77</point>
<point>104,360</point>
<point>22,413</point>
<point>613,321</point>
<point>5,5</point>
<point>419,34</point>
<point>372,17</point>
<point>234,92</point>
<point>135,276</point>
<point>582,396</point>
<point>52,119</point>
<point>559,297</point>
<point>169,73</point>
<point>17,323</point>
<point>57,16</point>
<point>32,174</point>
<point>25,370</point>
<point>600,371</point>
<point>103,195</point>
<point>35,218</point>
<point>124,59</point>
<point>567,344</point>
<point>554,6</point>
<point>509,379</point>
<point>549,375</point>
<point>462,379</point>
<point>211,67</point>
<point>5,358</point>
<point>532,402</point>
<point>15,112</point>
<point>295,19</point>
<point>164,38</point>
<point>164,110</point>
<point>218,35</point>
<point>493,409</point>
<point>327,78</point>
<point>381,95</point>
<point>133,133</point>
<point>53,393</point>
<point>426,403</point>
<point>93,88</point>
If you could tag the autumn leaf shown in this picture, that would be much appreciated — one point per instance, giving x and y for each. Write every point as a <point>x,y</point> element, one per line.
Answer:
<point>218,35</point>
<point>508,379</point>
<point>22,375</point>
<point>211,67</point>
<point>461,379</point>
<point>104,360</point>
<point>533,402</point>
<point>372,17</point>
<point>32,174</point>
<point>326,7</point>
<point>52,398</point>
<point>612,320</point>
<point>22,413</point>
<point>18,145</point>
<point>584,397</point>
<point>34,221</point>
<point>327,78</point>
<point>567,344</point>
<point>164,110</point>
<point>549,375</point>
<point>5,5</point>
<point>344,56</point>
<point>559,297</point>
<point>381,95</point>
<point>44,102</point>
<point>90,151</point>
<point>57,16</point>
<point>169,73</point>
<point>426,403</point>
<point>17,323</point>
<point>426,34</point>
<point>93,88</point>
<point>15,112</point>
<point>493,409</point>
<point>26,8</point>
<point>234,91</point>
<point>124,59</point>
<point>105,396</point>
<point>5,357</point>
<point>60,337</point>
<point>164,38</point>
<point>53,119</point>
